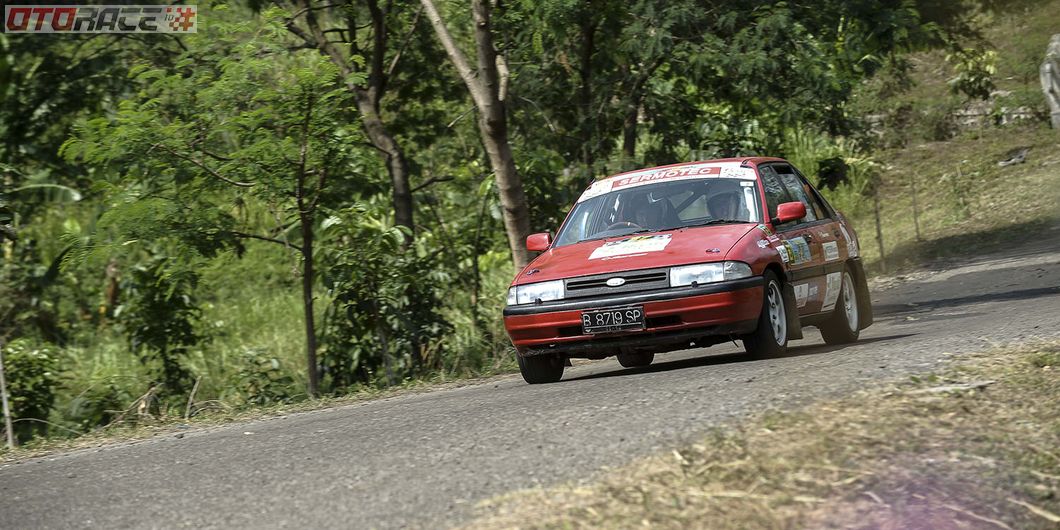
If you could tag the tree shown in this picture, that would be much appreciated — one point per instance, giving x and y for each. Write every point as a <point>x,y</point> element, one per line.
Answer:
<point>238,125</point>
<point>367,83</point>
<point>487,83</point>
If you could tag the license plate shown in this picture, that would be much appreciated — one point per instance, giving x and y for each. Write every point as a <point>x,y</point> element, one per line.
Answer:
<point>612,319</point>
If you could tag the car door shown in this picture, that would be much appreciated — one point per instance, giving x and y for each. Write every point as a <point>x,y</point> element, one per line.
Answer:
<point>800,240</point>
<point>825,234</point>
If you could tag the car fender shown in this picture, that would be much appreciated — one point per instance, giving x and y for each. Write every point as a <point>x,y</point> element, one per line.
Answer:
<point>758,250</point>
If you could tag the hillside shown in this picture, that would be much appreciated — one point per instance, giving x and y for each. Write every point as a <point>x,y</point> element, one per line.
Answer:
<point>966,202</point>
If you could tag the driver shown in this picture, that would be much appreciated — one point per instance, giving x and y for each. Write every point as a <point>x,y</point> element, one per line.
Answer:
<point>725,205</point>
<point>649,214</point>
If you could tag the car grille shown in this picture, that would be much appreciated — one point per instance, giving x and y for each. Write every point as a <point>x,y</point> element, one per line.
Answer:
<point>596,285</point>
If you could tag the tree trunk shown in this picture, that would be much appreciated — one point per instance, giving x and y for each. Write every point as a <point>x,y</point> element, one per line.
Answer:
<point>629,135</point>
<point>879,228</point>
<point>634,99</point>
<point>8,429</point>
<point>307,304</point>
<point>396,163</point>
<point>484,83</point>
<point>586,90</point>
<point>367,100</point>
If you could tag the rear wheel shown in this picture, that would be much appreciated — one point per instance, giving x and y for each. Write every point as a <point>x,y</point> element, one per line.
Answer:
<point>633,360</point>
<point>842,326</point>
<point>541,368</point>
<point>771,337</point>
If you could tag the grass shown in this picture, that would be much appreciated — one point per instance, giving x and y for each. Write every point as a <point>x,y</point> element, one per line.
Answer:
<point>961,190</point>
<point>974,446</point>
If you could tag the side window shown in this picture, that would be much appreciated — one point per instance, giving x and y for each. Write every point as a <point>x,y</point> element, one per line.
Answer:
<point>774,189</point>
<point>800,191</point>
<point>825,209</point>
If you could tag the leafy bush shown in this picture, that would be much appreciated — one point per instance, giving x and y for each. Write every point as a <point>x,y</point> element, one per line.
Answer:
<point>31,376</point>
<point>159,317</point>
<point>386,300</point>
<point>262,379</point>
<point>975,69</point>
<point>96,406</point>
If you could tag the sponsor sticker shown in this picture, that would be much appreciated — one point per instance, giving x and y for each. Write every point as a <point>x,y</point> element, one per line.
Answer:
<point>101,19</point>
<point>802,293</point>
<point>631,245</point>
<point>831,251</point>
<point>798,250</point>
<point>834,281</point>
<point>686,172</point>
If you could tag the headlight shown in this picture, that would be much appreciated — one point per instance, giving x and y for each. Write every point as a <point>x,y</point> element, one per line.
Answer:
<point>533,292</point>
<point>708,273</point>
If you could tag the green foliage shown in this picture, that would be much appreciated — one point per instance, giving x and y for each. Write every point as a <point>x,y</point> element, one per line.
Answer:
<point>262,379</point>
<point>975,69</point>
<point>176,194</point>
<point>815,153</point>
<point>160,316</point>
<point>384,317</point>
<point>30,370</point>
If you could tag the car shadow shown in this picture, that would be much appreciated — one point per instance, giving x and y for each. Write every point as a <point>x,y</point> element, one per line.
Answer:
<point>1022,294</point>
<point>728,358</point>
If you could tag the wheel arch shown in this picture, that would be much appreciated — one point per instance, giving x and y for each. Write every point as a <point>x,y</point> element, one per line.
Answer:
<point>857,270</point>
<point>790,306</point>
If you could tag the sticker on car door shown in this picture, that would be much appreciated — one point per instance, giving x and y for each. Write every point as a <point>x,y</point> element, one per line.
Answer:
<point>834,281</point>
<point>798,251</point>
<point>831,251</point>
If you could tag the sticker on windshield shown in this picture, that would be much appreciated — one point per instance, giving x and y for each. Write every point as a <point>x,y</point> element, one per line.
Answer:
<point>737,173</point>
<point>831,251</point>
<point>631,245</point>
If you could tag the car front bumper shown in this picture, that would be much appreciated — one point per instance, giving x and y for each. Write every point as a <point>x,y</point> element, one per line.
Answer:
<point>674,318</point>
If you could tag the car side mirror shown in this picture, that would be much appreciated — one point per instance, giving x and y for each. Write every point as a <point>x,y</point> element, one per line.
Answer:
<point>789,211</point>
<point>538,242</point>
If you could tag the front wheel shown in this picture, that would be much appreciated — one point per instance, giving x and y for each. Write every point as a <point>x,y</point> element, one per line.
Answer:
<point>770,339</point>
<point>842,326</point>
<point>541,368</point>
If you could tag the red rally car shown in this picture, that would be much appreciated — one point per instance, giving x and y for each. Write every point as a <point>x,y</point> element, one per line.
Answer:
<point>687,255</point>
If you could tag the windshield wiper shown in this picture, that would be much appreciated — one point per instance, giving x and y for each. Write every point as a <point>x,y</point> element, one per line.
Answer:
<point>709,222</point>
<point>624,234</point>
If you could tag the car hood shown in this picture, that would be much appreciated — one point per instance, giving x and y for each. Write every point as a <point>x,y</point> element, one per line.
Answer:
<point>638,251</point>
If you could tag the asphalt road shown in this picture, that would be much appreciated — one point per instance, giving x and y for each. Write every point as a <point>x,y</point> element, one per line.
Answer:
<point>425,460</point>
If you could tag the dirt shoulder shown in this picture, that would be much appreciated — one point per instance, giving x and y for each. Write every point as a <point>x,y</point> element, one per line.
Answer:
<point>972,446</point>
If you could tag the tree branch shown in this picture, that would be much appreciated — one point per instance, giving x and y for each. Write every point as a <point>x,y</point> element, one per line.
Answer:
<point>405,43</point>
<point>457,56</point>
<point>204,167</point>
<point>245,235</point>
<point>430,181</point>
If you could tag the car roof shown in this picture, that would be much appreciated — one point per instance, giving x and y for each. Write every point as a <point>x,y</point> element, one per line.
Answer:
<point>722,167</point>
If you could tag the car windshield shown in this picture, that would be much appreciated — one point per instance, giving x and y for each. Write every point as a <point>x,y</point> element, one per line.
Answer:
<point>662,206</point>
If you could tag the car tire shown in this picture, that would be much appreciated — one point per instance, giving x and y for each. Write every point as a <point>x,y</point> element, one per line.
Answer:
<point>770,339</point>
<point>634,360</point>
<point>842,326</point>
<point>539,369</point>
